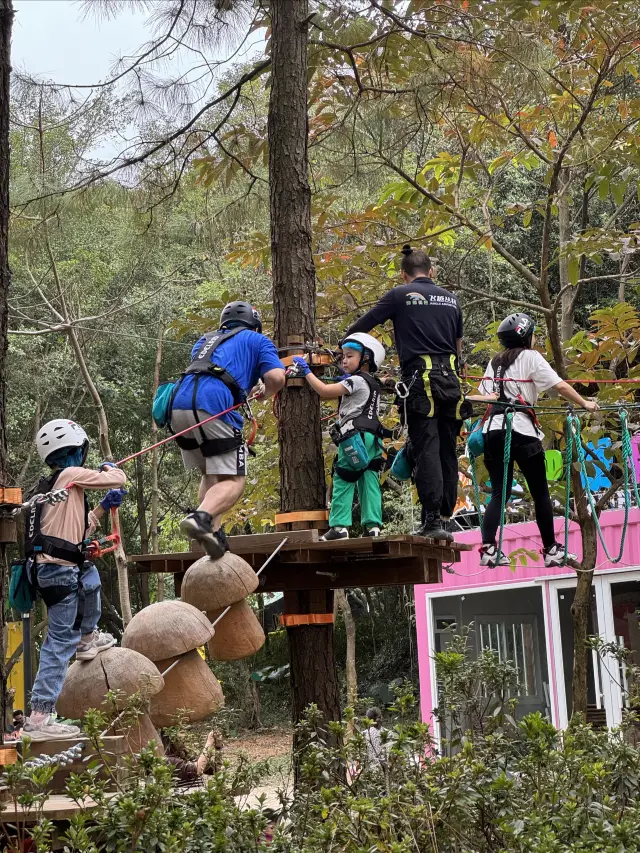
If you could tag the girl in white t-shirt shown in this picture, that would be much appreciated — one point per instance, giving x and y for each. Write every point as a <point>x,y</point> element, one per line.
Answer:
<point>528,375</point>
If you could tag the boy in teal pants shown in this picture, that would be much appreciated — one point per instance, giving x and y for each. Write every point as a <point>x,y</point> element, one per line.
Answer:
<point>357,434</point>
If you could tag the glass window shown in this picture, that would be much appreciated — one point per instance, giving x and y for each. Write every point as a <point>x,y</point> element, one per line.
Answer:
<point>513,641</point>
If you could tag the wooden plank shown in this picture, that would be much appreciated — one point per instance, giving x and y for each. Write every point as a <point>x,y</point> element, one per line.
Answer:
<point>269,541</point>
<point>56,807</point>
<point>288,578</point>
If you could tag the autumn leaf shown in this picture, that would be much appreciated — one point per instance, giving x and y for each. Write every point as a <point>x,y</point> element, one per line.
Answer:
<point>553,139</point>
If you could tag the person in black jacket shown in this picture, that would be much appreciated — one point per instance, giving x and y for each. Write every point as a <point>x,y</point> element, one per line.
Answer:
<point>427,324</point>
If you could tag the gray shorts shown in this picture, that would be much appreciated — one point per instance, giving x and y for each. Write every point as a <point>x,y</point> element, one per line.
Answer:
<point>233,463</point>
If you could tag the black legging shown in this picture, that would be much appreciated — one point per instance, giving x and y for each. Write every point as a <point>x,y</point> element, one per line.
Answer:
<point>529,455</point>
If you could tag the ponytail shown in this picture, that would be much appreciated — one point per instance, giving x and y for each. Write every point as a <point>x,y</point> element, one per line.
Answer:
<point>503,361</point>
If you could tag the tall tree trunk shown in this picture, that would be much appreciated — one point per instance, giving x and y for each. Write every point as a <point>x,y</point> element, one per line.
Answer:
<point>6,22</point>
<point>582,599</point>
<point>105,447</point>
<point>144,532</point>
<point>564,234</point>
<point>154,466</point>
<point>350,628</point>
<point>302,477</point>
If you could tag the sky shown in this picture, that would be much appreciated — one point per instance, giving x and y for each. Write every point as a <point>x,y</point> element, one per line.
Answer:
<point>54,39</point>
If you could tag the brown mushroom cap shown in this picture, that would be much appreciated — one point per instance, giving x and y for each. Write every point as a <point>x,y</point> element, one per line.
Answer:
<point>190,685</point>
<point>88,682</point>
<point>167,629</point>
<point>238,634</point>
<point>212,584</point>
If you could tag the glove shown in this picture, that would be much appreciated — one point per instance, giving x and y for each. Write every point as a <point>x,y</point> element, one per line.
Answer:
<point>302,368</point>
<point>104,465</point>
<point>113,498</point>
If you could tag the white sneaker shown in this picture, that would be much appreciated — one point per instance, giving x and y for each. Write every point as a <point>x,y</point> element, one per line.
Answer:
<point>335,533</point>
<point>556,556</point>
<point>99,642</point>
<point>48,729</point>
<point>489,556</point>
<point>372,531</point>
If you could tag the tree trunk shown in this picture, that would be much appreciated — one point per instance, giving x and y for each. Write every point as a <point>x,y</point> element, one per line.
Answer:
<point>144,532</point>
<point>154,467</point>
<point>582,599</point>
<point>564,234</point>
<point>6,22</point>
<point>302,476</point>
<point>350,628</point>
<point>105,447</point>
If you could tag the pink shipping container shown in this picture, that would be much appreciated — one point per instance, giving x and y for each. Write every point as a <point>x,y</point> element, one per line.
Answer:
<point>524,615</point>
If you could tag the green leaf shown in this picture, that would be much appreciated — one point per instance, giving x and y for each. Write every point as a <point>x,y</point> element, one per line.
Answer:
<point>526,219</point>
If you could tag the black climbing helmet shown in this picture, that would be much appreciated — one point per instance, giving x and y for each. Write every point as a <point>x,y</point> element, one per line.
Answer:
<point>516,330</point>
<point>241,313</point>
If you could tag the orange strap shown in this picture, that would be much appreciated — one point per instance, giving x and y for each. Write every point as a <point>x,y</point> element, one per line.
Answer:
<point>295,620</point>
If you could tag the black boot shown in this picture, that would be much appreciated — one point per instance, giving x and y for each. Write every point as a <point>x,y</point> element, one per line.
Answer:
<point>198,525</point>
<point>434,528</point>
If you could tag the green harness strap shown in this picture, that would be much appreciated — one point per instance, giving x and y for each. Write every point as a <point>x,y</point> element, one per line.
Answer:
<point>507,459</point>
<point>573,424</point>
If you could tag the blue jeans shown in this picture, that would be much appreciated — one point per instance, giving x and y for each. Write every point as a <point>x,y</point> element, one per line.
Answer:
<point>76,614</point>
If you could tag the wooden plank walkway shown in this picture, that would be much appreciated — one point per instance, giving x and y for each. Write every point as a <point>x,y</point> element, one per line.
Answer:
<point>304,562</point>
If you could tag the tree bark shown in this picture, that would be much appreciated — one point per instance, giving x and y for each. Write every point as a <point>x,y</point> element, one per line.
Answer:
<point>144,532</point>
<point>350,628</point>
<point>564,235</point>
<point>6,23</point>
<point>582,599</point>
<point>302,476</point>
<point>154,467</point>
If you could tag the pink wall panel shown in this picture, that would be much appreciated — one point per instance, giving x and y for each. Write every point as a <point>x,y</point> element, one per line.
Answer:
<point>469,576</point>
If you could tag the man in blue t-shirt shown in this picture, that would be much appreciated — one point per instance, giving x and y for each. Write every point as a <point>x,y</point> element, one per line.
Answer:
<point>225,366</point>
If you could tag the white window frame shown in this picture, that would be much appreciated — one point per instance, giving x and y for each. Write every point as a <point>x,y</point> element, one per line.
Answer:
<point>610,688</point>
<point>468,591</point>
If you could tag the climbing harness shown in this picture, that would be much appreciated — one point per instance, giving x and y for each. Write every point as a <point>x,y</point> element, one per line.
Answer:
<point>37,543</point>
<point>507,457</point>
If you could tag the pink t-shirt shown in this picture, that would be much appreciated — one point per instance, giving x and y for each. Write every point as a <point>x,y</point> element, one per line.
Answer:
<point>66,520</point>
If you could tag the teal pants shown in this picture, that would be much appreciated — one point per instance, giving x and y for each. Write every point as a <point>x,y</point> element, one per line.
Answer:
<point>368,486</point>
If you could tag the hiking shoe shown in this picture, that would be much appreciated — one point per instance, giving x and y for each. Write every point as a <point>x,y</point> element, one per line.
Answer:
<point>372,531</point>
<point>198,526</point>
<point>221,536</point>
<point>489,556</point>
<point>434,528</point>
<point>335,533</point>
<point>99,642</point>
<point>556,556</point>
<point>48,729</point>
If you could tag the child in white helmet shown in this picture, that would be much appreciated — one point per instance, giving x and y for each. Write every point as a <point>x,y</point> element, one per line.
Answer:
<point>67,583</point>
<point>358,435</point>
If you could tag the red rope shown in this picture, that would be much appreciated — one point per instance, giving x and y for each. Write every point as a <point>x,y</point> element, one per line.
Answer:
<point>570,381</point>
<point>185,431</point>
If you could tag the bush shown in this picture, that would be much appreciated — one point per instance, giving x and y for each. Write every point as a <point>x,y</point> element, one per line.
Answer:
<point>496,785</point>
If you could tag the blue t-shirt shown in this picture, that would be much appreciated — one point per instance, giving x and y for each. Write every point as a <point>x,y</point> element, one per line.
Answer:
<point>247,356</point>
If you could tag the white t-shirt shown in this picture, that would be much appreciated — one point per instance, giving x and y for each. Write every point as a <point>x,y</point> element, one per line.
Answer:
<point>356,398</point>
<point>528,365</point>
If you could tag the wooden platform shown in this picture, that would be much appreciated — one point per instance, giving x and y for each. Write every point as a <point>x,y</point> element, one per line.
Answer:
<point>305,563</point>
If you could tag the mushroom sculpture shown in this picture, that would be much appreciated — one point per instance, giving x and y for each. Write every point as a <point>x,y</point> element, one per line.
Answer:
<point>215,585</point>
<point>123,671</point>
<point>168,633</point>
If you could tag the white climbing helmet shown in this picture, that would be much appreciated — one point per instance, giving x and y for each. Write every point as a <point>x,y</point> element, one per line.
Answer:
<point>58,434</point>
<point>375,349</point>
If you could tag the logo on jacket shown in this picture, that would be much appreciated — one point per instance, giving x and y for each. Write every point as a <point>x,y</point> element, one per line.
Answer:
<point>416,299</point>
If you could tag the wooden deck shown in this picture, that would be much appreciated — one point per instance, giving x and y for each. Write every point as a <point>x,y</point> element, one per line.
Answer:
<point>305,563</point>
